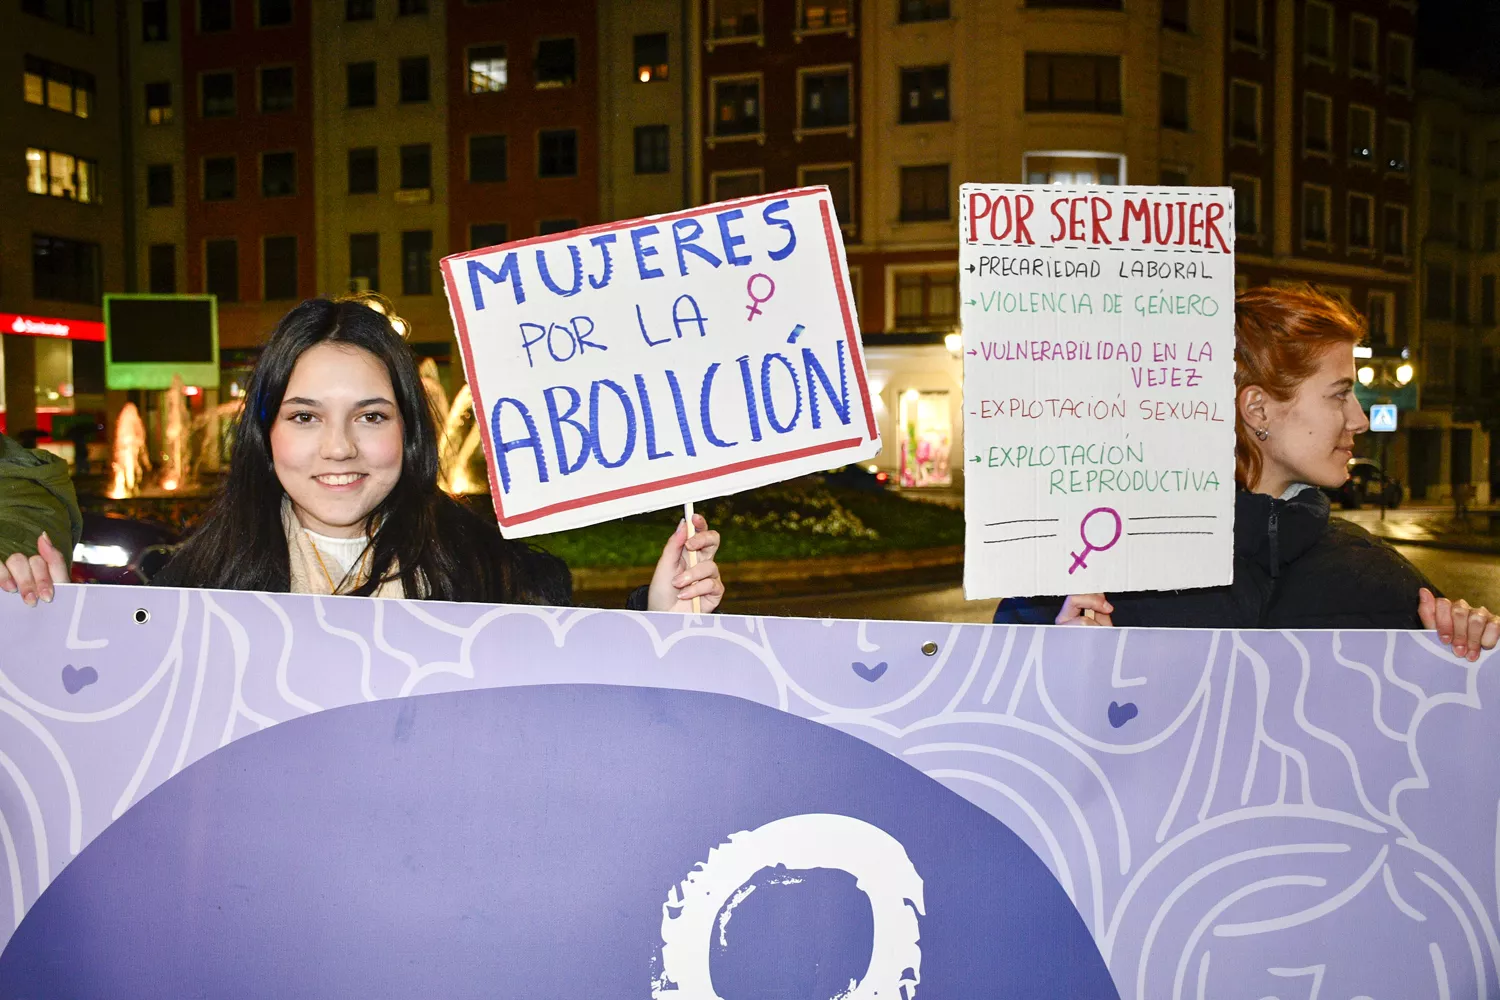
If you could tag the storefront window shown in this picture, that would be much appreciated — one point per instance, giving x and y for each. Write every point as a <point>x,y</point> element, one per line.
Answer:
<point>54,376</point>
<point>926,437</point>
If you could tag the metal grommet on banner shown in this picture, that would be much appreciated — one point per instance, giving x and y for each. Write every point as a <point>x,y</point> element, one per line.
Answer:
<point>929,648</point>
<point>141,616</point>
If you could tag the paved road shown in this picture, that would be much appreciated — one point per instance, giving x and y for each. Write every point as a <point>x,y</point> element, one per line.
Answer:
<point>1459,574</point>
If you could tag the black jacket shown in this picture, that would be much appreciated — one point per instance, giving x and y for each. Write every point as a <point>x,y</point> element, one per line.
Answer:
<point>1294,567</point>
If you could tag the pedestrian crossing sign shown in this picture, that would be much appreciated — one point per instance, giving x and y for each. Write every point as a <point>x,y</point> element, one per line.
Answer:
<point>1383,417</point>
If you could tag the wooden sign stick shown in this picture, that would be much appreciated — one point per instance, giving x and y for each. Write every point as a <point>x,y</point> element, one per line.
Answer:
<point>692,556</point>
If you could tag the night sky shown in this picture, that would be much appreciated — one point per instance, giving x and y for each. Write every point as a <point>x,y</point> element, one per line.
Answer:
<point>1461,37</point>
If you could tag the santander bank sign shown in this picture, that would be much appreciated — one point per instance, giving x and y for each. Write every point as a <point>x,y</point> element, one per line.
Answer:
<point>49,326</point>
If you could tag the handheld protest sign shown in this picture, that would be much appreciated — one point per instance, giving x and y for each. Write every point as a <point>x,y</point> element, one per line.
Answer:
<point>1098,330</point>
<point>637,365</point>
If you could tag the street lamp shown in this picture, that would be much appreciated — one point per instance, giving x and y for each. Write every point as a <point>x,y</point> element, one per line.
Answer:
<point>1366,375</point>
<point>1404,373</point>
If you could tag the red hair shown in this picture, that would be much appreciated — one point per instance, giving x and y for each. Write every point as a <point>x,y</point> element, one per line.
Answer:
<point>1280,337</point>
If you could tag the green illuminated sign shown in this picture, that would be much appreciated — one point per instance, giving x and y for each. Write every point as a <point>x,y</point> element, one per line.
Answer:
<point>150,338</point>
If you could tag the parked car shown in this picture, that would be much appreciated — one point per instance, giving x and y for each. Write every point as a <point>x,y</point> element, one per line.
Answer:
<point>120,549</point>
<point>1367,483</point>
<point>858,477</point>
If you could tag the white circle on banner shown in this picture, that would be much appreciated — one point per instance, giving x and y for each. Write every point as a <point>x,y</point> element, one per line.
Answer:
<point>881,870</point>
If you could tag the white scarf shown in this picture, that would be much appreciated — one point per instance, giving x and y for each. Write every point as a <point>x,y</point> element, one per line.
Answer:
<point>309,570</point>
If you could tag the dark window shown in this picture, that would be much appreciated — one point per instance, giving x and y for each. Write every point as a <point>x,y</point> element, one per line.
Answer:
<point>1244,111</point>
<point>558,153</point>
<point>1361,225</point>
<point>218,94</point>
<point>489,70</point>
<point>1491,236</point>
<point>924,94</point>
<point>1174,101</point>
<point>840,181</point>
<point>215,15</point>
<point>64,270</point>
<point>159,103</point>
<point>409,8</point>
<point>79,15</point>
<point>221,267</point>
<point>1439,291</point>
<point>651,57</point>
<point>736,18</point>
<point>926,300</point>
<point>1315,214</point>
<point>1395,231</point>
<point>1461,298</point>
<point>487,159</point>
<point>274,13</point>
<point>279,267</point>
<point>416,167</point>
<point>1317,32</point>
<point>556,62</point>
<point>364,262</point>
<point>924,193</point>
<point>820,14</point>
<point>361,84</point>
<point>278,174</point>
<point>277,90</point>
<point>1487,300</point>
<point>1071,82</point>
<point>652,150</point>
<point>359,10</point>
<point>159,185</point>
<point>154,24</point>
<point>414,87</point>
<point>161,269</point>
<point>742,184</point>
<point>1174,14</point>
<point>487,234</point>
<point>416,262</point>
<point>1246,206</point>
<point>923,10</point>
<point>1246,24</point>
<point>364,177</point>
<point>736,107</point>
<point>547,227</point>
<point>1171,177</point>
<point>220,179</point>
<point>825,99</point>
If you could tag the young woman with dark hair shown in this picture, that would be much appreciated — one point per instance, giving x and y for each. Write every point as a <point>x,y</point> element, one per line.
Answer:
<point>1296,416</point>
<point>333,488</point>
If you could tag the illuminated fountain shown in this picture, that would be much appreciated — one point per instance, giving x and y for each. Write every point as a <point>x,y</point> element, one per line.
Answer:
<point>457,447</point>
<point>130,458</point>
<point>175,431</point>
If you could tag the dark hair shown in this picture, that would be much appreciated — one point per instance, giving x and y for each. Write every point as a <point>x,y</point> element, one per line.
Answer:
<point>1280,337</point>
<point>441,549</point>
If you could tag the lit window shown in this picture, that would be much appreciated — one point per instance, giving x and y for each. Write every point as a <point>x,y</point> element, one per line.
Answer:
<point>651,58</point>
<point>488,69</point>
<point>736,107</point>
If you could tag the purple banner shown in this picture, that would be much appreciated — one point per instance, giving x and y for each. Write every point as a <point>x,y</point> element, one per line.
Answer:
<point>207,793</point>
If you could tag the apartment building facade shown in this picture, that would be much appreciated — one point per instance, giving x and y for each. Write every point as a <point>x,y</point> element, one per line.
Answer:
<point>1457,219</point>
<point>62,234</point>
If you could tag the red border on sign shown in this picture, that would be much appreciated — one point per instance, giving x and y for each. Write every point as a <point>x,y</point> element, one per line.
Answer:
<point>851,337</point>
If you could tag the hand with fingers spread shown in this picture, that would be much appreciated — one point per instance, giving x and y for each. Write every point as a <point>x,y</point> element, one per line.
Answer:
<point>33,577</point>
<point>1468,630</point>
<point>674,584</point>
<point>1086,609</point>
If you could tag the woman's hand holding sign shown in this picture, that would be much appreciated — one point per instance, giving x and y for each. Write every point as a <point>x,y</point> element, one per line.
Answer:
<point>1086,609</point>
<point>675,583</point>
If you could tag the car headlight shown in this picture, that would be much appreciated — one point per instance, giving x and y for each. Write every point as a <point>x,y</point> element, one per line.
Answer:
<point>100,555</point>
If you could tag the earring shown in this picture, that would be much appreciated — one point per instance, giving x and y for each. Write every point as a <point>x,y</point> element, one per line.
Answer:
<point>1261,433</point>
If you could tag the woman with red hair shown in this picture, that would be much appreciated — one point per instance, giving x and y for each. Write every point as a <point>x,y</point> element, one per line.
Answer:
<point>1296,416</point>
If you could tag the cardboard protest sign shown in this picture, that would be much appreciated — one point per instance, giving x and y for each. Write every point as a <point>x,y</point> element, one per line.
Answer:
<point>1098,329</point>
<point>635,365</point>
<point>344,797</point>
